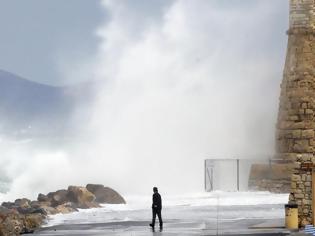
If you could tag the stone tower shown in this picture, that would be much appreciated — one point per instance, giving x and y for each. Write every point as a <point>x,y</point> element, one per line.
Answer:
<point>295,139</point>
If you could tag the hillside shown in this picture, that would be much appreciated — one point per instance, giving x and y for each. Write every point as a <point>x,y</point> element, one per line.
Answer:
<point>30,107</point>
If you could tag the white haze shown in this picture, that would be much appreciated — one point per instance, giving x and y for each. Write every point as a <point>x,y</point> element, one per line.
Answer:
<point>198,80</point>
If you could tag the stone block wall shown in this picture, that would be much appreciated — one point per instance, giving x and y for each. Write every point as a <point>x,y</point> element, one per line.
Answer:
<point>302,13</point>
<point>295,137</point>
<point>301,188</point>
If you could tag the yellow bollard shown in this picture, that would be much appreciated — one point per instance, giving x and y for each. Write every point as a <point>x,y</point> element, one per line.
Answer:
<point>291,216</point>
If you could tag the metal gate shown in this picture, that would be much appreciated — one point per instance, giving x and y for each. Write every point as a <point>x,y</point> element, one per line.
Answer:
<point>228,174</point>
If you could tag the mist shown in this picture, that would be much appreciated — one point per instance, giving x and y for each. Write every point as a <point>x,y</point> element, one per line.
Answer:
<point>191,80</point>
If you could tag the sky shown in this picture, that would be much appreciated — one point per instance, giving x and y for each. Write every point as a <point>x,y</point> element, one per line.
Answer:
<point>50,41</point>
<point>36,35</point>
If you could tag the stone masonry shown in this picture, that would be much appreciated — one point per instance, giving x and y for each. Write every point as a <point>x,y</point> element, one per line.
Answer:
<point>295,140</point>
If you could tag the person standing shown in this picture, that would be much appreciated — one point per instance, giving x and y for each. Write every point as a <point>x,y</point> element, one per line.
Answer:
<point>156,207</point>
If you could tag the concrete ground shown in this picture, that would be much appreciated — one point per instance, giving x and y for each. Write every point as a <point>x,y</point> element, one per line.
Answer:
<point>180,220</point>
<point>141,228</point>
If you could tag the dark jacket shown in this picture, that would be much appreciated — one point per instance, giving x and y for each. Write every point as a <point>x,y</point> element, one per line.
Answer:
<point>157,201</point>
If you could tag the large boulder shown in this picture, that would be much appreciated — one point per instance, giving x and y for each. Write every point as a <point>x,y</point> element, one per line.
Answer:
<point>15,224</point>
<point>22,206</point>
<point>11,224</point>
<point>58,198</point>
<point>23,203</point>
<point>8,205</point>
<point>4,211</point>
<point>42,198</point>
<point>32,222</point>
<point>105,194</point>
<point>81,197</point>
<point>43,208</point>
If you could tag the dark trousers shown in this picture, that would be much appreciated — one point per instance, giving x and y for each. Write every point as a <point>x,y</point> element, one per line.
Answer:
<point>158,213</point>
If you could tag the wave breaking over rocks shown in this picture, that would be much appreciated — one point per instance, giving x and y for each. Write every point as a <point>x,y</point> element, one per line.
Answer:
<point>24,216</point>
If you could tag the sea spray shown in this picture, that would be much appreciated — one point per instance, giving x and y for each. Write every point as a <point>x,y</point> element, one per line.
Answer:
<point>175,88</point>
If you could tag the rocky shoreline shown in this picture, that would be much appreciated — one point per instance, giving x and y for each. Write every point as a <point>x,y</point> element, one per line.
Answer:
<point>24,216</point>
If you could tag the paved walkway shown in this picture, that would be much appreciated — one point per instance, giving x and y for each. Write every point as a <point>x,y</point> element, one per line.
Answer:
<point>181,220</point>
<point>171,229</point>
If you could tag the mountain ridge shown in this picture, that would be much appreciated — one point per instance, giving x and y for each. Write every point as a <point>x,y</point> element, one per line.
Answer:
<point>46,108</point>
<point>7,74</point>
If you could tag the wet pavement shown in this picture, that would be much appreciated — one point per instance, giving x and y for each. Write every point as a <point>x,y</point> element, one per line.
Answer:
<point>179,220</point>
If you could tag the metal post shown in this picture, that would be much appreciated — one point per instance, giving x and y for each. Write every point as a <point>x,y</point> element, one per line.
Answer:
<point>211,179</point>
<point>205,175</point>
<point>238,174</point>
<point>313,195</point>
<point>218,211</point>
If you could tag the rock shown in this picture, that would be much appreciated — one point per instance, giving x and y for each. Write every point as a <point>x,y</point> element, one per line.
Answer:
<point>94,187</point>
<point>2,230</point>
<point>42,198</point>
<point>24,216</point>
<point>81,197</point>
<point>24,210</point>
<point>66,208</point>
<point>43,208</point>
<point>39,211</point>
<point>105,194</point>
<point>16,224</point>
<point>24,206</point>
<point>58,198</point>
<point>36,204</point>
<point>11,224</point>
<point>23,203</point>
<point>32,222</point>
<point>31,210</point>
<point>49,210</point>
<point>4,211</point>
<point>8,205</point>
